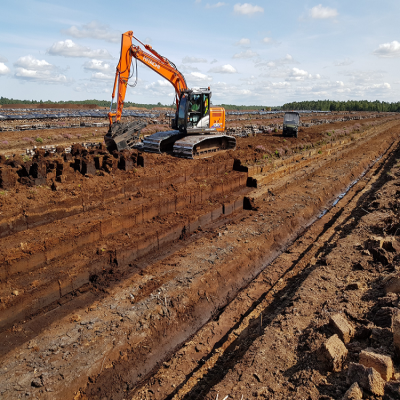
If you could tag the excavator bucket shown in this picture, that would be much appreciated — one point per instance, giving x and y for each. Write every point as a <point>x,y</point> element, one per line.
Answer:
<point>202,146</point>
<point>121,136</point>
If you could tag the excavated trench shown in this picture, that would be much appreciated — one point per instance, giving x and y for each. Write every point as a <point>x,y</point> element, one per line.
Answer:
<point>196,369</point>
<point>115,305</point>
<point>269,300</point>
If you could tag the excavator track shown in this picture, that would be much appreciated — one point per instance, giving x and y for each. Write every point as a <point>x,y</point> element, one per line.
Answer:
<point>201,146</point>
<point>161,142</point>
<point>187,146</point>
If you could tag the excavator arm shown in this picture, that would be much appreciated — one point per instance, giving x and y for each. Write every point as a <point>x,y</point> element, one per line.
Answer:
<point>161,65</point>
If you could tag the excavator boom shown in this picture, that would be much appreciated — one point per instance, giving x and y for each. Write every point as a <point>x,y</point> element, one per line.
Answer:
<point>159,64</point>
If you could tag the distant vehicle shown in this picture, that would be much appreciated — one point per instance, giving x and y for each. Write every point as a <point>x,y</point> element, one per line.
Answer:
<point>291,122</point>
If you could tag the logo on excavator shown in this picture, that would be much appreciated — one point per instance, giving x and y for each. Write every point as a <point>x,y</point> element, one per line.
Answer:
<point>151,62</point>
<point>217,125</point>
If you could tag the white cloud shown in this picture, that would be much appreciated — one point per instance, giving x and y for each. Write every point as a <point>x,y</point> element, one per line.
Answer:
<point>247,9</point>
<point>243,42</point>
<point>223,91</point>
<point>159,83</point>
<point>388,50</point>
<point>216,5</point>
<point>31,69</point>
<point>299,74</point>
<point>270,41</point>
<point>160,88</point>
<point>193,60</point>
<point>281,85</point>
<point>31,63</point>
<point>380,86</point>
<point>295,74</point>
<point>94,30</point>
<point>88,87</point>
<point>320,12</point>
<point>341,90</point>
<point>68,48</point>
<point>288,59</point>
<point>344,63</point>
<point>187,69</point>
<point>101,76</point>
<point>224,69</point>
<point>198,78</point>
<point>363,77</point>
<point>39,76</point>
<point>3,59</point>
<point>246,54</point>
<point>4,70</point>
<point>97,65</point>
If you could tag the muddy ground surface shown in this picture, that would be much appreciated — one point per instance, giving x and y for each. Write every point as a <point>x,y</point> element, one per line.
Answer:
<point>199,287</point>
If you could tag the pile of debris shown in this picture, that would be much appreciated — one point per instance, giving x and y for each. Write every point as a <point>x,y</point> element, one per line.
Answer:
<point>249,130</point>
<point>47,167</point>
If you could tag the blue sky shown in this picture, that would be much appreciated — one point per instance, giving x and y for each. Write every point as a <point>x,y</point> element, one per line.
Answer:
<point>258,53</point>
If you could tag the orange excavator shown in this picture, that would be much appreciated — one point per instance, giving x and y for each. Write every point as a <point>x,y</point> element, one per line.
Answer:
<point>197,128</point>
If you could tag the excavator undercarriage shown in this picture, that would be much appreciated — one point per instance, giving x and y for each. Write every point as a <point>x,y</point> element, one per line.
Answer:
<point>121,136</point>
<point>187,146</point>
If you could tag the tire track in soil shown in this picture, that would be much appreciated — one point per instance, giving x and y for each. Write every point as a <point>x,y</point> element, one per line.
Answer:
<point>230,349</point>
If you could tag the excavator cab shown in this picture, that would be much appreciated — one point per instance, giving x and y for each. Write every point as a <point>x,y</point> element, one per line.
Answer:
<point>194,111</point>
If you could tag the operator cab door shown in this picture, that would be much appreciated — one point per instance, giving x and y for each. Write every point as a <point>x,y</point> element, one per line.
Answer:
<point>200,111</point>
<point>194,111</point>
<point>183,112</point>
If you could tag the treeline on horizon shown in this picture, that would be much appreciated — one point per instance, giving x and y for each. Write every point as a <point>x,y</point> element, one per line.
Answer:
<point>99,103</point>
<point>349,105</point>
<point>319,105</point>
<point>106,103</point>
